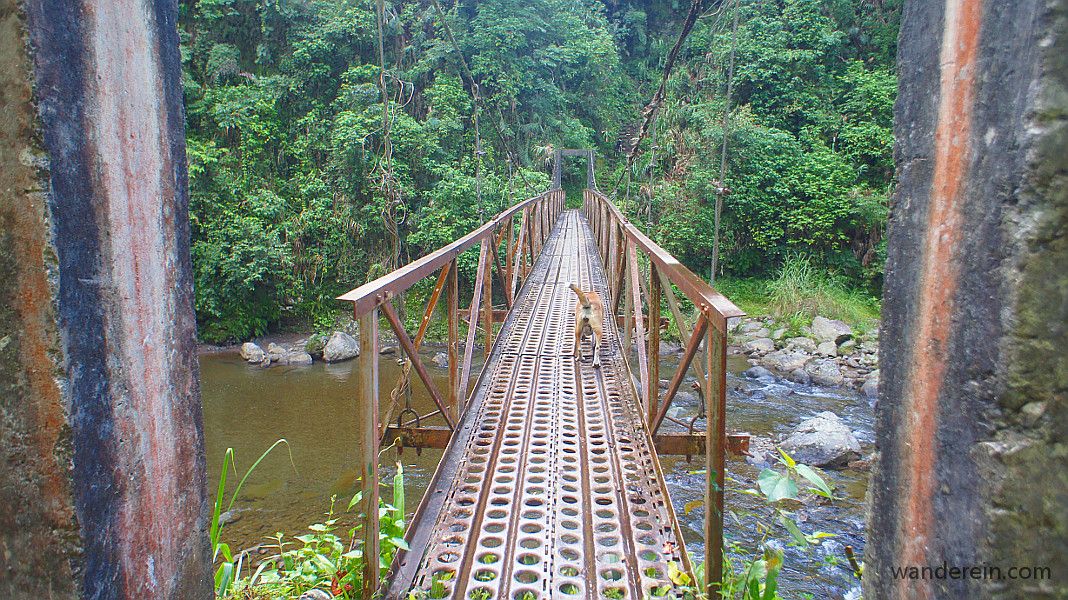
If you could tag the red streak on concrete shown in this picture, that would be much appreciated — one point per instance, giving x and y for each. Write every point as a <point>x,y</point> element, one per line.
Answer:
<point>135,175</point>
<point>938,284</point>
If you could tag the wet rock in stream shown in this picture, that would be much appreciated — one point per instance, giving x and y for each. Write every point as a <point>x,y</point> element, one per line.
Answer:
<point>823,441</point>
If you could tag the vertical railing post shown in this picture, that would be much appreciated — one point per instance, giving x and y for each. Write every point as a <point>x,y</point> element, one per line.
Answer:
<point>715,449</point>
<point>472,323</point>
<point>628,312</point>
<point>487,299</point>
<point>452,288</point>
<point>367,422</point>
<point>639,321</point>
<point>530,239</point>
<point>652,394</point>
<point>545,216</point>
<point>520,258</point>
<point>508,266</point>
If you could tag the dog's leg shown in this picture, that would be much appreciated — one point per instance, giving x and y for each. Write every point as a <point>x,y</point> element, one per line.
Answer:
<point>597,348</point>
<point>579,326</point>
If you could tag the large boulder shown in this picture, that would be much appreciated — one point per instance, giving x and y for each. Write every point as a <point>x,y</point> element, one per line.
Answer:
<point>785,361</point>
<point>315,345</point>
<point>800,376</point>
<point>298,357</point>
<point>801,344</point>
<point>827,349</point>
<point>759,346</point>
<point>822,441</point>
<point>825,372</point>
<point>252,353</point>
<point>830,330</point>
<point>759,373</point>
<point>340,347</point>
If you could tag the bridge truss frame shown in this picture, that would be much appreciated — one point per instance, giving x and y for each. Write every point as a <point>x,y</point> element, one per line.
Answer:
<point>624,249</point>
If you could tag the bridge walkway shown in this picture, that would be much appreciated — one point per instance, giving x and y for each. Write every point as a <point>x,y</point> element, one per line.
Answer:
<point>551,487</point>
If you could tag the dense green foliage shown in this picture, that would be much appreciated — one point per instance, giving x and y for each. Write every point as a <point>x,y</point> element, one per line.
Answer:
<point>298,194</point>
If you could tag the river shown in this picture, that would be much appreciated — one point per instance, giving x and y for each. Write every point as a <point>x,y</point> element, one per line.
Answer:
<point>248,408</point>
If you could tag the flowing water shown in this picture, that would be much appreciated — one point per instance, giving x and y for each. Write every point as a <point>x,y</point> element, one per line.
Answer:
<point>248,408</point>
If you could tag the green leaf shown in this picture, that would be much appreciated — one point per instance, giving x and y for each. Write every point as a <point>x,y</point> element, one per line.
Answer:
<point>814,478</point>
<point>787,459</point>
<point>692,505</point>
<point>794,530</point>
<point>677,575</point>
<point>400,543</point>
<point>776,486</point>
<point>223,578</point>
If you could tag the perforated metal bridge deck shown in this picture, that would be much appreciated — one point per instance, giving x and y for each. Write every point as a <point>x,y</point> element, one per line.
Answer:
<point>551,486</point>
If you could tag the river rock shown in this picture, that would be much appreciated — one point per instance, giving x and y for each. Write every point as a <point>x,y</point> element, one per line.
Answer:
<point>750,327</point>
<point>388,350</point>
<point>778,334</point>
<point>802,344</point>
<point>830,330</point>
<point>315,345</point>
<point>316,595</point>
<point>822,441</point>
<point>759,346</point>
<point>276,353</point>
<point>758,373</point>
<point>785,361</point>
<point>440,360</point>
<point>871,385</point>
<point>252,353</point>
<point>827,349</point>
<point>228,517</point>
<point>847,347</point>
<point>800,376</point>
<point>341,346</point>
<point>668,348</point>
<point>298,358</point>
<point>825,372</point>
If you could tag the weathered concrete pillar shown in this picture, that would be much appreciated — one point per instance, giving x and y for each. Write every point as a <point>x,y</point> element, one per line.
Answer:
<point>973,415</point>
<point>102,484</point>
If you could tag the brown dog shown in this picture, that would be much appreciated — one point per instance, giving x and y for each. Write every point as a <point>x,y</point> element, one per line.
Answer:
<point>589,314</point>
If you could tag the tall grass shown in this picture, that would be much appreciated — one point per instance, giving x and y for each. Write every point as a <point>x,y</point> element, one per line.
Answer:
<point>230,569</point>
<point>802,290</point>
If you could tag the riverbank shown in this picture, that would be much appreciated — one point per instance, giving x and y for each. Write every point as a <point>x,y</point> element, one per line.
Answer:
<point>827,352</point>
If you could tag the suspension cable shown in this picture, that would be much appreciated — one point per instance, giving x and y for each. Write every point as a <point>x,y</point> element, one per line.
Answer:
<point>721,189</point>
<point>478,98</point>
<point>651,109</point>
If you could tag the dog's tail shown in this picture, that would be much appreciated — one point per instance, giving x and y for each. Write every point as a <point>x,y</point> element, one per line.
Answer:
<point>582,296</point>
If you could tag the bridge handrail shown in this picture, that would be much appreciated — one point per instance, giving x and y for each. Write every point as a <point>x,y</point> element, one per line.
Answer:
<point>373,293</point>
<point>619,242</point>
<point>703,295</point>
<point>537,217</point>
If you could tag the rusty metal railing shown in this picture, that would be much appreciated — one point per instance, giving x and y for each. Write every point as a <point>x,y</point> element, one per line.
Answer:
<point>620,243</point>
<point>520,249</point>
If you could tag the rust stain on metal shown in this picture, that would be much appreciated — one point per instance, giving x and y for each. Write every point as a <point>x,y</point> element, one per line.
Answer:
<point>939,279</point>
